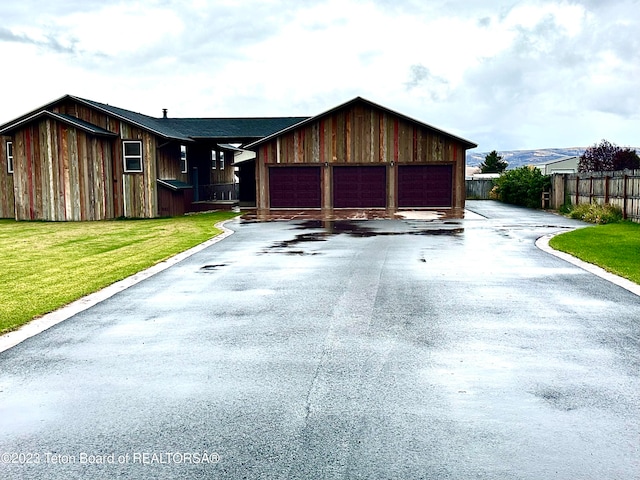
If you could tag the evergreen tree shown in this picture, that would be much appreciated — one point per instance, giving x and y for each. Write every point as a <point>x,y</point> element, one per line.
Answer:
<point>493,163</point>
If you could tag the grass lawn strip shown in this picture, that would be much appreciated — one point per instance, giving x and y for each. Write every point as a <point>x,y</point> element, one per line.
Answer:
<point>48,265</point>
<point>614,247</point>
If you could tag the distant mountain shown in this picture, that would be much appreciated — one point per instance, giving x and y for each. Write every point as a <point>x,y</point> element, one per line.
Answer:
<point>519,158</point>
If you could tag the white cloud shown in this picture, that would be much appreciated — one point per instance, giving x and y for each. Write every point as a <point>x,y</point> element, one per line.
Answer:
<point>515,74</point>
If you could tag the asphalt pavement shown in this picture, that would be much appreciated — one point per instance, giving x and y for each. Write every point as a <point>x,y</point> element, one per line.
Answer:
<point>386,349</point>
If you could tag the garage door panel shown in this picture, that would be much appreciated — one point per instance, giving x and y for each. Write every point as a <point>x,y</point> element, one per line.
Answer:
<point>425,185</point>
<point>295,187</point>
<point>360,187</point>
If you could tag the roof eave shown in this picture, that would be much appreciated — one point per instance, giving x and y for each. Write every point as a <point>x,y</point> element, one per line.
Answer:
<point>46,113</point>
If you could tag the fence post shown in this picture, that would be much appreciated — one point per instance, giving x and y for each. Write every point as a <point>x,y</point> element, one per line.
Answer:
<point>606,189</point>
<point>624,196</point>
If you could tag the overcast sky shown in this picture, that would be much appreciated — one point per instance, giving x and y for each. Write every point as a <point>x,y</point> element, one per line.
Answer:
<point>504,74</point>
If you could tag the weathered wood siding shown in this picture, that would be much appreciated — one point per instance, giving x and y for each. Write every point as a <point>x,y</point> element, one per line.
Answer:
<point>61,173</point>
<point>7,203</point>
<point>64,173</point>
<point>169,165</point>
<point>135,194</point>
<point>139,190</point>
<point>360,135</point>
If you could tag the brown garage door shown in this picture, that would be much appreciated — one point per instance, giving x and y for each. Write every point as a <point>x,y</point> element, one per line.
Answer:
<point>295,187</point>
<point>425,185</point>
<point>360,187</point>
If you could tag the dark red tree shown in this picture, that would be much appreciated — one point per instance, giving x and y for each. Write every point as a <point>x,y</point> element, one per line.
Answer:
<point>606,156</point>
<point>626,158</point>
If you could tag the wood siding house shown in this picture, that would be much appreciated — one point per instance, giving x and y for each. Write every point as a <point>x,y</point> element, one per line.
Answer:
<point>76,159</point>
<point>360,155</point>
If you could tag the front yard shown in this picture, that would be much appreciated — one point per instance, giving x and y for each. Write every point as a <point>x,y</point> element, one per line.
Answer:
<point>614,247</point>
<point>46,265</point>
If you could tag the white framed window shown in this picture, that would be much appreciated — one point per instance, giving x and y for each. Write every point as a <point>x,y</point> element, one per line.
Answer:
<point>214,160</point>
<point>10,157</point>
<point>132,154</point>
<point>221,160</point>
<point>183,159</point>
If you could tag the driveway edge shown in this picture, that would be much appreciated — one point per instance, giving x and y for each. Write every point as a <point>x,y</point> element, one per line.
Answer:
<point>40,324</point>
<point>543,244</point>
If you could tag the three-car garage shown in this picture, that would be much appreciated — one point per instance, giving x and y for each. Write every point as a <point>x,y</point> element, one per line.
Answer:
<point>360,155</point>
<point>365,187</point>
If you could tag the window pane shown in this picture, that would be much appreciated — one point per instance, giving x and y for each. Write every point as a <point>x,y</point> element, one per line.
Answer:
<point>9,157</point>
<point>132,148</point>
<point>183,158</point>
<point>133,164</point>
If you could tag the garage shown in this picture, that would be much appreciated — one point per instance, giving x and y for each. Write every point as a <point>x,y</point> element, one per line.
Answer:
<point>425,186</point>
<point>360,156</point>
<point>294,187</point>
<point>360,187</point>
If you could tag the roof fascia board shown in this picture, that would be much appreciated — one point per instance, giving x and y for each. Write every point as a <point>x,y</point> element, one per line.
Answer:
<point>60,118</point>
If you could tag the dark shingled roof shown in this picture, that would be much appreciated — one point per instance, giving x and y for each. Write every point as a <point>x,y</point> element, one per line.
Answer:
<point>155,125</point>
<point>230,128</point>
<point>182,129</point>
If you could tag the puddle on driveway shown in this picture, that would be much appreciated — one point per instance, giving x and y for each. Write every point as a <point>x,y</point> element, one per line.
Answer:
<point>360,229</point>
<point>211,268</point>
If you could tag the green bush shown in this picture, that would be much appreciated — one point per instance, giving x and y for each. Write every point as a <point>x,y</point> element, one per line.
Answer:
<point>522,186</point>
<point>595,213</point>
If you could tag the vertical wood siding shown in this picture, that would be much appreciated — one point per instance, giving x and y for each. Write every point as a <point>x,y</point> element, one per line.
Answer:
<point>139,190</point>
<point>361,135</point>
<point>61,173</point>
<point>7,203</point>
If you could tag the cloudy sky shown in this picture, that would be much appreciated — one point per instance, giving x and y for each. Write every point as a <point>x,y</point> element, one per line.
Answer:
<point>504,74</point>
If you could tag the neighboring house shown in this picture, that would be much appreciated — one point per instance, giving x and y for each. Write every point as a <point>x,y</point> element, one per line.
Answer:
<point>76,159</point>
<point>564,165</point>
<point>359,155</point>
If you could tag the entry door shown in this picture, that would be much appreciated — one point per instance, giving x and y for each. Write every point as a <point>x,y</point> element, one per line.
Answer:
<point>425,185</point>
<point>360,187</point>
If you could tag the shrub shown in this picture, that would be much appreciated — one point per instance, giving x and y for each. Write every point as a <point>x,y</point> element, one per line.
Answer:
<point>522,186</point>
<point>596,213</point>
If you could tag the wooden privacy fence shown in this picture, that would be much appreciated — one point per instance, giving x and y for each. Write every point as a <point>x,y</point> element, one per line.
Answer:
<point>620,188</point>
<point>479,189</point>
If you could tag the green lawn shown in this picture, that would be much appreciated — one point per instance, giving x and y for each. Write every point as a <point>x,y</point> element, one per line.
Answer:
<point>45,265</point>
<point>614,247</point>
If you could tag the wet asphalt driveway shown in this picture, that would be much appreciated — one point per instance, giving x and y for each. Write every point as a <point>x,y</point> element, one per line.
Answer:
<point>381,349</point>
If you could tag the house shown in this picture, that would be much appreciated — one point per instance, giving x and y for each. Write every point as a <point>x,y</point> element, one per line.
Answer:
<point>77,159</point>
<point>362,156</point>
<point>563,165</point>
